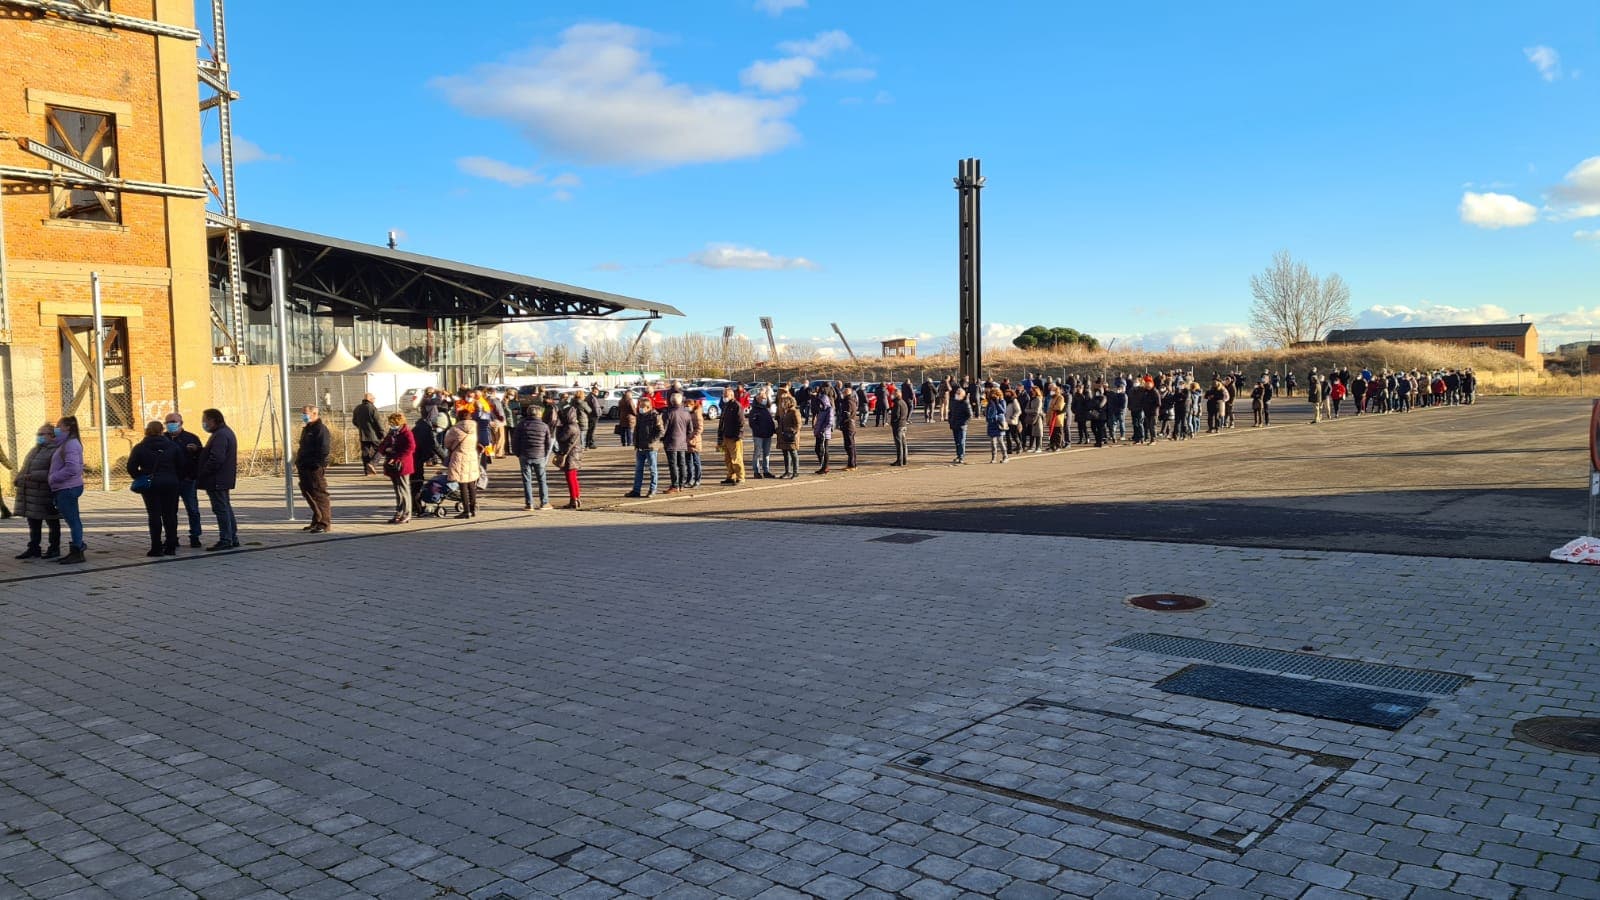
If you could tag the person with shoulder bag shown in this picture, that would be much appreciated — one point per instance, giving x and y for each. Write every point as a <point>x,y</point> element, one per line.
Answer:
<point>154,467</point>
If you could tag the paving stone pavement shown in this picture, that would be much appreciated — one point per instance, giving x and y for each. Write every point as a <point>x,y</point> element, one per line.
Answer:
<point>607,705</point>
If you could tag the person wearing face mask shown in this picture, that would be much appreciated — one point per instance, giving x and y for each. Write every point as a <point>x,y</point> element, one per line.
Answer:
<point>397,449</point>
<point>311,464</point>
<point>188,468</point>
<point>155,460</point>
<point>66,484</point>
<point>217,474</point>
<point>34,500</point>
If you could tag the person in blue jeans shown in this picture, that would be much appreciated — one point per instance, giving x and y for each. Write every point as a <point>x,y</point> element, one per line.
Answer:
<point>188,472</point>
<point>646,441</point>
<point>959,415</point>
<point>531,443</point>
<point>66,484</point>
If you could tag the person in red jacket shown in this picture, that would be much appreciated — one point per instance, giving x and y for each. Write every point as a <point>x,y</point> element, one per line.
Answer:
<point>1336,394</point>
<point>397,449</point>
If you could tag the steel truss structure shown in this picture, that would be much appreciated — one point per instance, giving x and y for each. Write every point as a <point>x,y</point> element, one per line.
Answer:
<point>331,276</point>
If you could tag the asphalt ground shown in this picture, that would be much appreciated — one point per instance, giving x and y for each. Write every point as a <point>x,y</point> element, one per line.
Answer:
<point>1504,478</point>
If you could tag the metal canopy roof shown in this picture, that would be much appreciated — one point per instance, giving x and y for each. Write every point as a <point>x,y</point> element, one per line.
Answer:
<point>408,288</point>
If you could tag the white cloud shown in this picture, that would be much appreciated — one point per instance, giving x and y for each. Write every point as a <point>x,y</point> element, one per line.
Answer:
<point>1546,60</point>
<point>495,170</point>
<point>598,97</point>
<point>1426,312</point>
<point>856,74</point>
<point>728,256</point>
<point>566,180</point>
<point>1491,210</point>
<point>1582,235</point>
<point>779,7</point>
<point>245,152</point>
<point>778,75</point>
<point>1578,195</point>
<point>825,44</point>
<point>883,98</point>
<point>1185,337</point>
<point>561,196</point>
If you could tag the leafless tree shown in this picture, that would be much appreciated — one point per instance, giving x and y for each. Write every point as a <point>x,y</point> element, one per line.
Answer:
<point>1292,305</point>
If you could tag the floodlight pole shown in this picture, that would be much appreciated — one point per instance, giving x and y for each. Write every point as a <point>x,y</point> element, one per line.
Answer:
<point>772,345</point>
<point>842,340</point>
<point>969,182</point>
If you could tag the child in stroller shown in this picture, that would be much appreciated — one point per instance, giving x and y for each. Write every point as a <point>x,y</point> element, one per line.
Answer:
<point>440,497</point>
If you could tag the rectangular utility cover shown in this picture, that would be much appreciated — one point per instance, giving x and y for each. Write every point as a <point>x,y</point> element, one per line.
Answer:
<point>1358,706</point>
<point>1209,788</point>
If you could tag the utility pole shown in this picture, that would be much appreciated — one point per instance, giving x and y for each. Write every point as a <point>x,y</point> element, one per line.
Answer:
<point>969,182</point>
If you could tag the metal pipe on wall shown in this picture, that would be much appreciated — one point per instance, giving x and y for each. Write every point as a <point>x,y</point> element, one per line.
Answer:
<point>100,381</point>
<point>280,315</point>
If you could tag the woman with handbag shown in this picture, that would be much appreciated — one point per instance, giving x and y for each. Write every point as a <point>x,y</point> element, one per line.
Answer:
<point>461,442</point>
<point>34,502</point>
<point>154,467</point>
<point>571,435</point>
<point>398,448</point>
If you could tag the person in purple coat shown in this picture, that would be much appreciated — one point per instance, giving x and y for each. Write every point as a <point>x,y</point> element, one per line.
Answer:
<point>822,425</point>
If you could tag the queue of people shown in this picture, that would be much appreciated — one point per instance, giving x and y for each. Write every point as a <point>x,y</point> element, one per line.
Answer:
<point>464,434</point>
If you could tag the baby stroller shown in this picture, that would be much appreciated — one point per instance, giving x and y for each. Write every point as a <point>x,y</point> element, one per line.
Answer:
<point>440,497</point>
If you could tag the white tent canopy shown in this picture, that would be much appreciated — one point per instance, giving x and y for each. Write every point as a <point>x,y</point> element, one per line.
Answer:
<point>385,362</point>
<point>338,361</point>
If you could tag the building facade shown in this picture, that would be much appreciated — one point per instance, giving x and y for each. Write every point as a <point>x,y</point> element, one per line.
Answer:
<point>101,173</point>
<point>1520,338</point>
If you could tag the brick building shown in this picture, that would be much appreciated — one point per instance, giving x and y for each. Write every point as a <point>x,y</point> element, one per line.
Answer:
<point>101,172</point>
<point>1520,338</point>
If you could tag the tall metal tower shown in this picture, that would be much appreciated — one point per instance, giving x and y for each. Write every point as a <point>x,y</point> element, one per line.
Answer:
<point>214,75</point>
<point>969,182</point>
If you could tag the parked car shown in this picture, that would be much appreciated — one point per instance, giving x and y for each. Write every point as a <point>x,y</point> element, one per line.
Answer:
<point>610,397</point>
<point>711,398</point>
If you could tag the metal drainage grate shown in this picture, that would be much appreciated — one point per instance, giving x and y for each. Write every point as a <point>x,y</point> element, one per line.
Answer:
<point>1571,733</point>
<point>902,537</point>
<point>1167,602</point>
<point>1358,706</point>
<point>1417,681</point>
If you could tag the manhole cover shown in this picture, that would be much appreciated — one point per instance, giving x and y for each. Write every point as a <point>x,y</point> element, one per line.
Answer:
<point>1571,733</point>
<point>1167,602</point>
<point>902,537</point>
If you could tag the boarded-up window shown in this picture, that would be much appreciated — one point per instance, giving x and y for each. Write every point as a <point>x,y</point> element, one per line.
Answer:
<point>91,138</point>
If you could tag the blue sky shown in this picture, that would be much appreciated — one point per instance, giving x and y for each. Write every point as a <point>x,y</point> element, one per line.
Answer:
<point>792,158</point>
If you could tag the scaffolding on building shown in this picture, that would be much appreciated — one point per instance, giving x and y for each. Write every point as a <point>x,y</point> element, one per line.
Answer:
<point>216,93</point>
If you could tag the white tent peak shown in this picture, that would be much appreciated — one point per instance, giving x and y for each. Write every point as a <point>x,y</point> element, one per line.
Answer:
<point>385,362</point>
<point>338,360</point>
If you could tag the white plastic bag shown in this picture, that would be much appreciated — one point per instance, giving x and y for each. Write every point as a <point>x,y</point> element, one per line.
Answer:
<point>1584,550</point>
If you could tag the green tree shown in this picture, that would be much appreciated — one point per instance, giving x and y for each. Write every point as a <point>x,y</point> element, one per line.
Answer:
<point>1041,338</point>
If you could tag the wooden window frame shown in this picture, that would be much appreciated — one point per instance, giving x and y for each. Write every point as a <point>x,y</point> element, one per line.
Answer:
<point>107,205</point>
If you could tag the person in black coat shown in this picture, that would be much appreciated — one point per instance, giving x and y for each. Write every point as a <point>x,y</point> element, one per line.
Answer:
<point>156,459</point>
<point>849,410</point>
<point>531,442</point>
<point>762,429</point>
<point>311,464</point>
<point>218,474</point>
<point>188,466</point>
<point>425,452</point>
<point>899,420</point>
<point>369,429</point>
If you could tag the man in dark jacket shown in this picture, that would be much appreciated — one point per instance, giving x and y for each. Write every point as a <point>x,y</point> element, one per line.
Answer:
<point>594,419</point>
<point>425,452</point>
<point>676,426</point>
<point>850,407</point>
<point>880,411</point>
<point>217,473</point>
<point>188,461</point>
<point>531,443</point>
<point>311,463</point>
<point>899,419</point>
<point>369,430</point>
<point>959,415</point>
<point>646,442</point>
<point>730,437</point>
